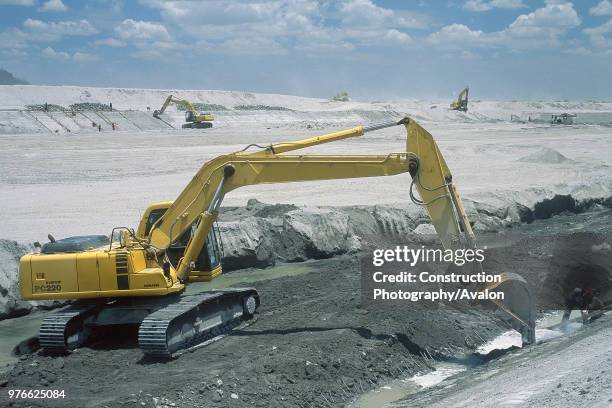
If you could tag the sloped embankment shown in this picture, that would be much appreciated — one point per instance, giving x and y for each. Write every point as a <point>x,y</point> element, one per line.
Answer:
<point>260,235</point>
<point>10,304</point>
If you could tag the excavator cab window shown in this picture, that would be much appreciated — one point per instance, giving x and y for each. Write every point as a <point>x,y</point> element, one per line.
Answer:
<point>213,249</point>
<point>210,256</point>
<point>152,219</point>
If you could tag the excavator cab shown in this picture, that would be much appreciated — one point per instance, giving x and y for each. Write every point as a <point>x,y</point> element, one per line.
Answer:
<point>190,116</point>
<point>208,262</point>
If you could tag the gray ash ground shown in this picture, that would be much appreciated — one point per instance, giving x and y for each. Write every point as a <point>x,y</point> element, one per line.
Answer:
<point>312,345</point>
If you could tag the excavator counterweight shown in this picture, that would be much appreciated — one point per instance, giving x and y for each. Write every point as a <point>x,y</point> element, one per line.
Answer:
<point>139,277</point>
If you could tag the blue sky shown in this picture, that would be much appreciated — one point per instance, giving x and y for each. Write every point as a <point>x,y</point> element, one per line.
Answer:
<point>374,49</point>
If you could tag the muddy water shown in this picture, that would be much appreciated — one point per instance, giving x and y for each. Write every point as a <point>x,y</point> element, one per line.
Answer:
<point>546,329</point>
<point>547,326</point>
<point>248,276</point>
<point>13,331</point>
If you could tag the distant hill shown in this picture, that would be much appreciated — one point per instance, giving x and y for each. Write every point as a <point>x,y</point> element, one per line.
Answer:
<point>6,78</point>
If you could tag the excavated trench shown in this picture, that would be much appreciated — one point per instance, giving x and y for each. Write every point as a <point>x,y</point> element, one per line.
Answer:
<point>313,344</point>
<point>262,235</point>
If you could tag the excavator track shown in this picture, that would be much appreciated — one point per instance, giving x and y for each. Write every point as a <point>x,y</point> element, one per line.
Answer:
<point>66,329</point>
<point>197,125</point>
<point>195,319</point>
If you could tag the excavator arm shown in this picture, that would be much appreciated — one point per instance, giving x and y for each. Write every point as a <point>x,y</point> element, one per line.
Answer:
<point>199,202</point>
<point>178,101</point>
<point>228,172</point>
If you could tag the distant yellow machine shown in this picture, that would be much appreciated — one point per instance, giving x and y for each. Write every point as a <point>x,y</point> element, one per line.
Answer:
<point>193,118</point>
<point>563,119</point>
<point>461,104</point>
<point>138,277</point>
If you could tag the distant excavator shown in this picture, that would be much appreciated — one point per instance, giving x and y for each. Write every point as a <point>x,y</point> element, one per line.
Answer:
<point>139,277</point>
<point>193,118</point>
<point>461,104</point>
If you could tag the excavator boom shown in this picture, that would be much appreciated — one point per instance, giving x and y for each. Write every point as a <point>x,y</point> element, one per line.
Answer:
<point>222,174</point>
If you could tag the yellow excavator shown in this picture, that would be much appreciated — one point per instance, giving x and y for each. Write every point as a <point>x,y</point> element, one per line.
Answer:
<point>461,104</point>
<point>193,118</point>
<point>139,277</point>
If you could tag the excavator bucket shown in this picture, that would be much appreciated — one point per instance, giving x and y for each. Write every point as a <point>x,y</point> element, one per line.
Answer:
<point>433,181</point>
<point>517,306</point>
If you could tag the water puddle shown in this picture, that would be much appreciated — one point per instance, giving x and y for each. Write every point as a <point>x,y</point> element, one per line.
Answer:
<point>548,327</point>
<point>250,276</point>
<point>15,331</point>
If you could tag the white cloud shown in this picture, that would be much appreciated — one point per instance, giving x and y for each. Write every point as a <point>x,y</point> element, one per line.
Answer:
<point>59,55</point>
<point>601,36</point>
<point>603,8</point>
<point>52,31</point>
<point>138,30</point>
<point>397,37</point>
<point>150,39</point>
<point>110,42</point>
<point>252,46</point>
<point>366,13</point>
<point>477,5</point>
<point>156,49</point>
<point>49,52</point>
<point>325,47</point>
<point>484,5</point>
<point>288,24</point>
<point>84,57</point>
<point>541,28</point>
<point>457,33</point>
<point>552,19</point>
<point>53,5</point>
<point>14,39</point>
<point>222,20</point>
<point>13,53</point>
<point>16,2</point>
<point>40,31</point>
<point>578,51</point>
<point>224,13</point>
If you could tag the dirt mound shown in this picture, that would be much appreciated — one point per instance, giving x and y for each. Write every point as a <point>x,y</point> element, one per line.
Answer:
<point>260,235</point>
<point>10,304</point>
<point>545,155</point>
